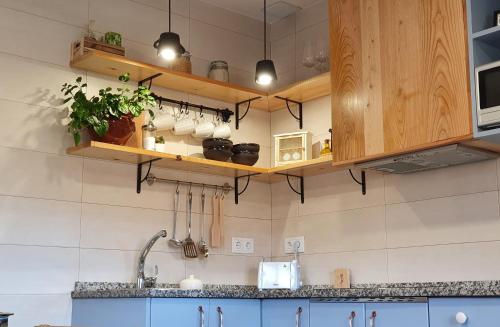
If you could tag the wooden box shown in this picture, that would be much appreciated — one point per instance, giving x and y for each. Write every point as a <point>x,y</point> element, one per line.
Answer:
<point>80,47</point>
<point>292,148</point>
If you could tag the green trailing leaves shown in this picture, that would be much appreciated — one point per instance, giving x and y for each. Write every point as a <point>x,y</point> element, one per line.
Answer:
<point>96,112</point>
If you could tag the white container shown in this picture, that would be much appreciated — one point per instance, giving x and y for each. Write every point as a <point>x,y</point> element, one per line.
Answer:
<point>191,283</point>
<point>279,275</point>
<point>222,131</point>
<point>148,143</point>
<point>204,129</point>
<point>184,126</point>
<point>164,122</point>
<point>292,148</point>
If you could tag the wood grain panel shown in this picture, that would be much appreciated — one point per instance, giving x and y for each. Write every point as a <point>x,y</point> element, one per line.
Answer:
<point>372,77</point>
<point>399,75</point>
<point>346,77</point>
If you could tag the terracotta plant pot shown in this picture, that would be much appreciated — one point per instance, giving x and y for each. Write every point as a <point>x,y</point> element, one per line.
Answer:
<point>119,132</point>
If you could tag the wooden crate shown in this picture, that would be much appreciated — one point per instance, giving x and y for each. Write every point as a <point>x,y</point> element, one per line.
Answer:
<point>81,47</point>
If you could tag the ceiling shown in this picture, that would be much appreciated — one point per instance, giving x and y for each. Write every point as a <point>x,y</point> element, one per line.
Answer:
<point>277,9</point>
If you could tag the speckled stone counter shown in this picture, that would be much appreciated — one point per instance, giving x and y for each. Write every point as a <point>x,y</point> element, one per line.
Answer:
<point>442,289</point>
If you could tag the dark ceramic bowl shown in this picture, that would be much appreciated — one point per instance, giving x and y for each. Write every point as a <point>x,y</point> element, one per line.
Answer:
<point>219,154</point>
<point>245,158</point>
<point>246,147</point>
<point>217,142</point>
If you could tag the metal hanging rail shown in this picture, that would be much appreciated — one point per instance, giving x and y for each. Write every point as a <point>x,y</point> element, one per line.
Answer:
<point>225,114</point>
<point>151,179</point>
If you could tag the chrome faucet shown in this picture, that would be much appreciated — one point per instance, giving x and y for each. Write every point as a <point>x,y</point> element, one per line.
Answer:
<point>142,280</point>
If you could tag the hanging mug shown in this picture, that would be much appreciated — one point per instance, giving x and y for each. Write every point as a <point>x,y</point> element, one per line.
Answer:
<point>222,131</point>
<point>204,129</point>
<point>165,120</point>
<point>185,125</point>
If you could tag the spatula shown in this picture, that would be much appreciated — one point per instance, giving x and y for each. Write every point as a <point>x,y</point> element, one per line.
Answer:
<point>188,245</point>
<point>215,230</point>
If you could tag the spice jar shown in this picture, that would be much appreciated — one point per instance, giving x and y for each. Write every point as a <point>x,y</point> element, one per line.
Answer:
<point>219,71</point>
<point>149,136</point>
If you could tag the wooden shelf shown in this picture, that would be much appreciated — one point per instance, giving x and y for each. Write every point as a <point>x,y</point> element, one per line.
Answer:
<point>115,65</point>
<point>105,151</point>
<point>313,88</point>
<point>126,154</point>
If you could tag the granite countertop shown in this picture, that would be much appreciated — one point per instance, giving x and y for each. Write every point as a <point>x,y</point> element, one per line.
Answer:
<point>85,290</point>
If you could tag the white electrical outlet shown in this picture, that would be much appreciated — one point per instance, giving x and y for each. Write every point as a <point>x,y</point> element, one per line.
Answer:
<point>242,245</point>
<point>290,244</point>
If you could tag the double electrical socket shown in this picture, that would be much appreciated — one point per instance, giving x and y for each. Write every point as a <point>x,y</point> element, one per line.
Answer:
<point>242,245</point>
<point>291,244</point>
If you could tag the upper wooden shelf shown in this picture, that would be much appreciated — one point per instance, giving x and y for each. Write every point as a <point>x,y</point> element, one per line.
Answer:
<point>115,65</point>
<point>105,151</point>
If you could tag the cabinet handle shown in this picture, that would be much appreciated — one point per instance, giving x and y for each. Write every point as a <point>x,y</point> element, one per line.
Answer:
<point>372,318</point>
<point>221,317</point>
<point>298,315</point>
<point>461,318</point>
<point>202,316</point>
<point>351,318</point>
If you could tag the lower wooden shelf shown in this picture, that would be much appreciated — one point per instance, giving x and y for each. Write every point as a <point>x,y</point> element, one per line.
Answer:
<point>111,152</point>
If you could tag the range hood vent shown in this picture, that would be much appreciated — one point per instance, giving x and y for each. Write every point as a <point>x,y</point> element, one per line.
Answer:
<point>450,155</point>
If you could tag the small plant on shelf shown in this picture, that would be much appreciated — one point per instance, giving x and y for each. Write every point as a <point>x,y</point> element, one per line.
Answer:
<point>109,116</point>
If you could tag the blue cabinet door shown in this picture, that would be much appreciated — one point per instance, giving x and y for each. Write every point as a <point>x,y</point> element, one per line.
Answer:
<point>234,313</point>
<point>333,314</point>
<point>111,313</point>
<point>179,312</point>
<point>479,312</point>
<point>397,315</point>
<point>285,313</point>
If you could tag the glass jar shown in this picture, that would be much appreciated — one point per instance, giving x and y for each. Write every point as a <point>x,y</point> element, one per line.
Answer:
<point>219,71</point>
<point>149,136</point>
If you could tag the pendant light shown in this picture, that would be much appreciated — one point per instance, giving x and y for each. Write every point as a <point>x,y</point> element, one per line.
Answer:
<point>265,73</point>
<point>169,44</point>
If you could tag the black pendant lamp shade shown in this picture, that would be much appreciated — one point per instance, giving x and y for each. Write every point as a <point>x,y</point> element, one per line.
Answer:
<point>169,45</point>
<point>265,73</point>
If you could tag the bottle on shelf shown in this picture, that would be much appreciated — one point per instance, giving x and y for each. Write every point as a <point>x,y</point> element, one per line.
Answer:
<point>326,148</point>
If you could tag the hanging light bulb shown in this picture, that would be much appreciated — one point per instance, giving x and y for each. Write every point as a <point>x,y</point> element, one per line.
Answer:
<point>265,73</point>
<point>169,44</point>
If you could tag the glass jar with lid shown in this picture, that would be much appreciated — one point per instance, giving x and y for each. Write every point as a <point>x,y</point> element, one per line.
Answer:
<point>219,71</point>
<point>149,136</point>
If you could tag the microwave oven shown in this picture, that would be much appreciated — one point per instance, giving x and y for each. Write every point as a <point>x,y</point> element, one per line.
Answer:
<point>488,95</point>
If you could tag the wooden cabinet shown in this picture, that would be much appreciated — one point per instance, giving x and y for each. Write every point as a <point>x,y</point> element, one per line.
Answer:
<point>285,313</point>
<point>399,74</point>
<point>478,312</point>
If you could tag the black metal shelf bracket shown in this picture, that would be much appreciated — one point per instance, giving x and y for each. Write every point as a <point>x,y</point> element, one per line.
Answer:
<point>301,185</point>
<point>237,110</point>
<point>300,117</point>
<point>237,192</point>
<point>141,179</point>
<point>362,182</point>
<point>149,79</point>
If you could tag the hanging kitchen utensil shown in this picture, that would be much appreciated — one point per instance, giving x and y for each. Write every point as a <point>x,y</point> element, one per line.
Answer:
<point>188,244</point>
<point>215,231</point>
<point>202,245</point>
<point>174,241</point>
<point>221,217</point>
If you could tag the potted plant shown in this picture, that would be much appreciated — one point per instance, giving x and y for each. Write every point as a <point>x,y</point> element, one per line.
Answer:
<point>160,144</point>
<point>109,116</point>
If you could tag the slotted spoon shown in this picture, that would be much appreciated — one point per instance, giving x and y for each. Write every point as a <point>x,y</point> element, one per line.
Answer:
<point>188,245</point>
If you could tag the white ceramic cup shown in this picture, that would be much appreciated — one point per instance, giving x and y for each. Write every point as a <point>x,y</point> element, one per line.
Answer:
<point>222,131</point>
<point>164,121</point>
<point>204,129</point>
<point>184,126</point>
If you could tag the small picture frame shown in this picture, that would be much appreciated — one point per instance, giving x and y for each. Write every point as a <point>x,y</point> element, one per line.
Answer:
<point>497,18</point>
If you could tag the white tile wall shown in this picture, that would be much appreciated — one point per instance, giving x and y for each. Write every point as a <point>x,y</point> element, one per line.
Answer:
<point>65,218</point>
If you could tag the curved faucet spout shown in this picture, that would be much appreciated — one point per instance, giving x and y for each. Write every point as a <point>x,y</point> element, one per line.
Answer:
<point>142,258</point>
